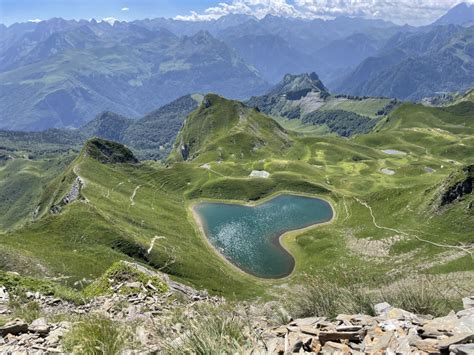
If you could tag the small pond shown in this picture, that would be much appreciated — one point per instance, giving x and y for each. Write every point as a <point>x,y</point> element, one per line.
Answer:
<point>248,236</point>
<point>393,152</point>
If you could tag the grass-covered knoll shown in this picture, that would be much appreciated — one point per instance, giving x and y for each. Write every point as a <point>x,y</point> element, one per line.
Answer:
<point>141,211</point>
<point>221,129</point>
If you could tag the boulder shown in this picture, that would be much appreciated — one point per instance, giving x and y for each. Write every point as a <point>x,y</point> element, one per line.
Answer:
<point>382,308</point>
<point>468,302</point>
<point>14,327</point>
<point>39,326</point>
<point>448,325</point>
<point>462,349</point>
<point>461,338</point>
<point>335,348</point>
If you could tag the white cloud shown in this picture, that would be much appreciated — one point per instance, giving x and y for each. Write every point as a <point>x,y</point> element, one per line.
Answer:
<point>110,20</point>
<point>258,8</point>
<point>125,9</point>
<point>416,12</point>
<point>36,20</point>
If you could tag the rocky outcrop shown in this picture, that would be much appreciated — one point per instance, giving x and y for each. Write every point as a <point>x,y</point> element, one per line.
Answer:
<point>73,195</point>
<point>184,151</point>
<point>391,331</point>
<point>456,186</point>
<point>133,298</point>
<point>109,152</point>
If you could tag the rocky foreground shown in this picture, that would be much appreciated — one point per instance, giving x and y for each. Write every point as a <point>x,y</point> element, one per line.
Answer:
<point>158,329</point>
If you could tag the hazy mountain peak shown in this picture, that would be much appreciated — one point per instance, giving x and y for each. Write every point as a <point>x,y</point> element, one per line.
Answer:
<point>460,14</point>
<point>298,83</point>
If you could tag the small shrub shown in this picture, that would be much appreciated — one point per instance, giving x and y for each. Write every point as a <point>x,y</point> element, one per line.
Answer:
<point>96,335</point>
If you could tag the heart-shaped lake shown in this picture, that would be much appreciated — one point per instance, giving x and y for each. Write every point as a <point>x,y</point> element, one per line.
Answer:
<point>248,236</point>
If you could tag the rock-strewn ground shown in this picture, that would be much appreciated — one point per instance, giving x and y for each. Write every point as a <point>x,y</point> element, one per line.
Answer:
<point>153,313</point>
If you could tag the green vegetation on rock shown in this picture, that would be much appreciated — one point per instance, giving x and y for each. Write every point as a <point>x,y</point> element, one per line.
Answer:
<point>121,273</point>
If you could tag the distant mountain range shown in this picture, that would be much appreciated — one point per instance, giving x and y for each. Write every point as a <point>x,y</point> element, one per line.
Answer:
<point>61,73</point>
<point>299,103</point>
<point>415,65</point>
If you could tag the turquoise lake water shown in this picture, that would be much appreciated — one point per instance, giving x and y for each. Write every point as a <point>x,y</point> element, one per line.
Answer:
<point>248,236</point>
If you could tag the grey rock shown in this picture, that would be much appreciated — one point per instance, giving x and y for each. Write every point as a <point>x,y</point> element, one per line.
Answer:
<point>39,326</point>
<point>382,308</point>
<point>461,349</point>
<point>306,321</point>
<point>14,327</point>
<point>4,296</point>
<point>461,338</point>
<point>133,284</point>
<point>332,336</point>
<point>468,302</point>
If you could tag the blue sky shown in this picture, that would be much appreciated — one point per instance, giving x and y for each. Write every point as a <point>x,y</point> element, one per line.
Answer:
<point>23,10</point>
<point>414,12</point>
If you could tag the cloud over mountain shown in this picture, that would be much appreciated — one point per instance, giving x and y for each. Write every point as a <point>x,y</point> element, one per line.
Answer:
<point>415,12</point>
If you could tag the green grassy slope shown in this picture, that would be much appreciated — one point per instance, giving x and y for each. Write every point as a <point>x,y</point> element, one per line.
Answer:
<point>221,130</point>
<point>22,185</point>
<point>383,224</point>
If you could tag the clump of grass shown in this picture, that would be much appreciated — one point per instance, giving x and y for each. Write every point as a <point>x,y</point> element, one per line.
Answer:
<point>96,335</point>
<point>28,311</point>
<point>3,320</point>
<point>423,295</point>
<point>323,297</point>
<point>118,273</point>
<point>213,330</point>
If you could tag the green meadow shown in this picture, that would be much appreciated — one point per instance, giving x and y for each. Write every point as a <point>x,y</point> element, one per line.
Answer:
<point>385,226</point>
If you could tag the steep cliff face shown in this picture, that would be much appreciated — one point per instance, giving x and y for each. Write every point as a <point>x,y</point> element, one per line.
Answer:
<point>457,186</point>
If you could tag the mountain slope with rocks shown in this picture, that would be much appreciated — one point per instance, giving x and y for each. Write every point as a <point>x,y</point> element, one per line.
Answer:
<point>304,98</point>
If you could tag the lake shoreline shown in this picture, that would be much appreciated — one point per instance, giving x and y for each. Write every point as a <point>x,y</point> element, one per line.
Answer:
<point>277,240</point>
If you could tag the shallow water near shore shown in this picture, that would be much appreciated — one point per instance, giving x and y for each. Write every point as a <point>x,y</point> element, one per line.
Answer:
<point>248,236</point>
